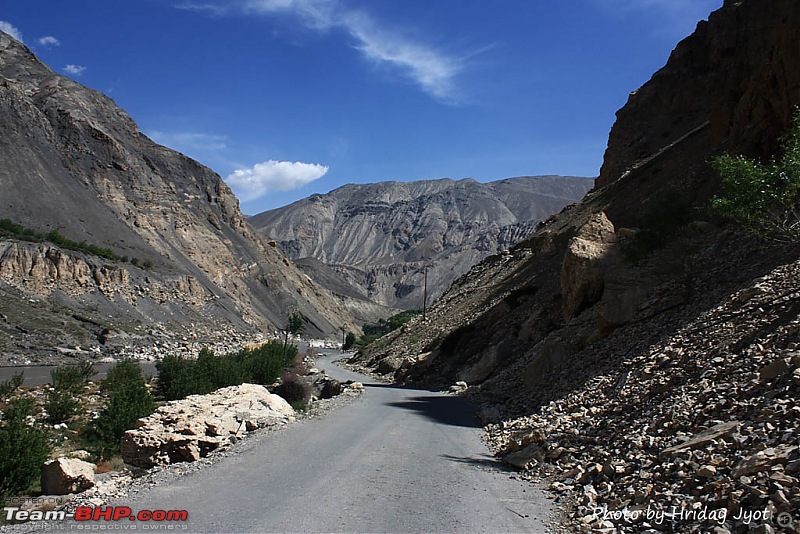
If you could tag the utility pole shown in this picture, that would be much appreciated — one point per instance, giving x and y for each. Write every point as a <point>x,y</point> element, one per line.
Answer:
<point>425,293</point>
<point>343,338</point>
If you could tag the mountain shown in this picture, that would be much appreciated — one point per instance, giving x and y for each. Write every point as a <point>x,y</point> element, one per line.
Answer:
<point>636,345</point>
<point>381,237</point>
<point>74,162</point>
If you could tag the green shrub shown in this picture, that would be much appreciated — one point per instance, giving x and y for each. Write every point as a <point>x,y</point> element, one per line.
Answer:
<point>266,363</point>
<point>179,377</point>
<point>60,405</point>
<point>7,387</point>
<point>61,402</point>
<point>23,449</point>
<point>176,377</point>
<point>8,227</point>
<point>349,341</point>
<point>129,400</point>
<point>68,378</point>
<point>763,197</point>
<point>373,332</point>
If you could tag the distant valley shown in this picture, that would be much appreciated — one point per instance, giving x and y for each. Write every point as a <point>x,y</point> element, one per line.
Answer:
<point>378,239</point>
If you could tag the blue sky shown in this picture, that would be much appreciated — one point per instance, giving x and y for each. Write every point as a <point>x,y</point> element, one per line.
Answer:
<point>285,98</point>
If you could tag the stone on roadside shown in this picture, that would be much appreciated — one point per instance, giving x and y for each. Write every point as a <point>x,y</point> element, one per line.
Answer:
<point>67,475</point>
<point>191,428</point>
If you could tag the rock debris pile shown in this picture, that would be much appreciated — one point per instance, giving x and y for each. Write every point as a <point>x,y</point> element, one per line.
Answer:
<point>187,429</point>
<point>698,433</point>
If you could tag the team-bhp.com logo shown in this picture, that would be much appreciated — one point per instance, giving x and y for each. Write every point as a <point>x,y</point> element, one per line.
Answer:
<point>91,513</point>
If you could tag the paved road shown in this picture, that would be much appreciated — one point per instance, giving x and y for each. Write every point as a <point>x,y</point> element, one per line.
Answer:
<point>38,375</point>
<point>395,460</point>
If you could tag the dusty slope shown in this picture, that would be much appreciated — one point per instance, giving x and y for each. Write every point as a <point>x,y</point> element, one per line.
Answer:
<point>633,321</point>
<point>380,237</point>
<point>71,160</point>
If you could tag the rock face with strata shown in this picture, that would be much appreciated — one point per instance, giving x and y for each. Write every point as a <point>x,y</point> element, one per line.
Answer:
<point>189,429</point>
<point>72,161</point>
<point>380,237</point>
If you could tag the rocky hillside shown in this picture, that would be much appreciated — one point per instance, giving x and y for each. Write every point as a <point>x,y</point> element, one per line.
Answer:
<point>635,347</point>
<point>72,161</point>
<point>380,237</point>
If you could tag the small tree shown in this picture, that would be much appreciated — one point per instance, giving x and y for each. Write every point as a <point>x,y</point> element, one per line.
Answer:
<point>763,197</point>
<point>349,341</point>
<point>23,449</point>
<point>294,326</point>
<point>129,400</point>
<point>62,401</point>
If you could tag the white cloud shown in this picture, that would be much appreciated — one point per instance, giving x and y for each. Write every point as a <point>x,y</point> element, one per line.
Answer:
<point>11,30</point>
<point>75,70</point>
<point>273,175</point>
<point>432,70</point>
<point>49,40</point>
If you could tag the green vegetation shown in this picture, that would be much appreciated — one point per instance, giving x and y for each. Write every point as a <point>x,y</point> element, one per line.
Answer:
<point>373,332</point>
<point>179,377</point>
<point>349,341</point>
<point>62,401</point>
<point>7,387</point>
<point>23,449</point>
<point>8,227</point>
<point>12,229</point>
<point>128,400</point>
<point>763,197</point>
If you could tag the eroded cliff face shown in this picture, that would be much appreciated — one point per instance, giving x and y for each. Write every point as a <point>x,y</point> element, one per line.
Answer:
<point>382,237</point>
<point>640,252</point>
<point>730,86</point>
<point>71,160</point>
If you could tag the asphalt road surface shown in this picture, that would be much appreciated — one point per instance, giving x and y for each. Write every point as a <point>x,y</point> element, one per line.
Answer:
<point>38,375</point>
<point>394,460</point>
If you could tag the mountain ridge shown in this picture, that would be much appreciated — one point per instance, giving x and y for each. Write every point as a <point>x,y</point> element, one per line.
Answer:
<point>73,161</point>
<point>391,232</point>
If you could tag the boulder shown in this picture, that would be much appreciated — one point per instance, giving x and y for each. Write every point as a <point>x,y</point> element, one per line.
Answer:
<point>191,428</point>
<point>582,276</point>
<point>67,475</point>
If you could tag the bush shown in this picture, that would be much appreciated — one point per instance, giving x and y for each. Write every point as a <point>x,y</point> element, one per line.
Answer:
<point>267,362</point>
<point>179,377</point>
<point>373,332</point>
<point>763,197</point>
<point>23,450</point>
<point>68,378</point>
<point>60,405</point>
<point>7,387</point>
<point>129,400</point>
<point>349,341</point>
<point>295,389</point>
<point>61,402</point>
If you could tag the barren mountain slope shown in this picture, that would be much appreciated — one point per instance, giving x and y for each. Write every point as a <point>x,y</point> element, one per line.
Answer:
<point>380,237</point>
<point>72,161</point>
<point>634,321</point>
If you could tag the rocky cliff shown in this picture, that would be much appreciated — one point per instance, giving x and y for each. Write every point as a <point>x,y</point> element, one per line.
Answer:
<point>72,161</point>
<point>636,347</point>
<point>381,237</point>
